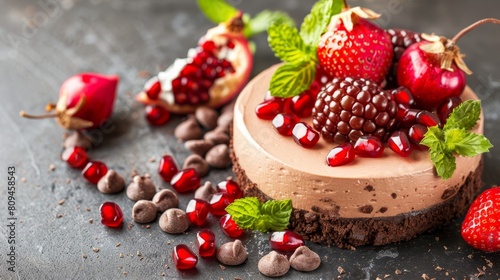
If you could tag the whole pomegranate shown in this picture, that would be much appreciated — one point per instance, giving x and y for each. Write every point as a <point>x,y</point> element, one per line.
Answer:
<point>212,74</point>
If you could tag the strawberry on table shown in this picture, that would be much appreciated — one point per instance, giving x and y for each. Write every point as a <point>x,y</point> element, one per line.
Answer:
<point>481,227</point>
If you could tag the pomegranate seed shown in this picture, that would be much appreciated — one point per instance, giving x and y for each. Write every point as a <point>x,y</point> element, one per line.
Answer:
<point>417,132</point>
<point>340,155</point>
<point>409,117</point>
<point>111,214</point>
<point>190,70</point>
<point>157,115</point>
<point>205,243</point>
<point>286,241</point>
<point>402,111</point>
<point>186,180</point>
<point>94,171</point>
<point>446,107</point>
<point>167,168</point>
<point>76,157</point>
<point>403,96</point>
<point>304,135</point>
<point>209,46</point>
<point>427,118</point>
<point>303,104</point>
<point>284,123</point>
<point>231,188</point>
<point>369,146</point>
<point>268,109</point>
<point>230,44</point>
<point>183,257</point>
<point>219,202</point>
<point>153,88</point>
<point>229,226</point>
<point>197,211</point>
<point>399,143</point>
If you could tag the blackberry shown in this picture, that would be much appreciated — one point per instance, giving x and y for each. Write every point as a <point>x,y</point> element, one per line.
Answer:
<point>348,108</point>
<point>401,39</point>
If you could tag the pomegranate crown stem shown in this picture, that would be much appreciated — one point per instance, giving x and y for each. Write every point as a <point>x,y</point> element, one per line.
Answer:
<point>36,117</point>
<point>464,31</point>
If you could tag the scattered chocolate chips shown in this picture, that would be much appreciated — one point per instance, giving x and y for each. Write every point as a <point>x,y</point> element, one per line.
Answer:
<point>218,156</point>
<point>198,163</point>
<point>303,259</point>
<point>207,117</point>
<point>199,147</point>
<point>112,182</point>
<point>79,139</point>
<point>165,199</point>
<point>225,120</point>
<point>205,192</point>
<point>142,187</point>
<point>144,211</point>
<point>274,264</point>
<point>232,253</point>
<point>188,130</point>
<point>174,221</point>
<point>217,136</point>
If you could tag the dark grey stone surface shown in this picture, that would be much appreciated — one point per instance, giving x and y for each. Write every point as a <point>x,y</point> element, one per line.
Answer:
<point>44,42</point>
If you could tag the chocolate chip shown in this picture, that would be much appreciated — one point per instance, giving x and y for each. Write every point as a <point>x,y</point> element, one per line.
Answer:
<point>199,147</point>
<point>218,156</point>
<point>198,163</point>
<point>232,253</point>
<point>173,221</point>
<point>188,130</point>
<point>225,120</point>
<point>207,117</point>
<point>367,209</point>
<point>217,136</point>
<point>77,139</point>
<point>205,192</point>
<point>142,187</point>
<point>165,199</point>
<point>144,211</point>
<point>303,259</point>
<point>228,108</point>
<point>112,182</point>
<point>274,264</point>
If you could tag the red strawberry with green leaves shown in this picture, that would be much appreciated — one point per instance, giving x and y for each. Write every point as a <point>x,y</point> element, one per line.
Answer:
<point>481,227</point>
<point>354,47</point>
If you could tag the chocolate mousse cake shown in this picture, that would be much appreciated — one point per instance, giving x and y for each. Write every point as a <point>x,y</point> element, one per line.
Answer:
<point>370,201</point>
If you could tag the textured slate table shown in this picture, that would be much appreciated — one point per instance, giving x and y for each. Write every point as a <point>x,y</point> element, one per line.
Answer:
<point>44,42</point>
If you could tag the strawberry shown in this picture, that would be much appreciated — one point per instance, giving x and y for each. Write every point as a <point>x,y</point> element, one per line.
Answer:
<point>354,47</point>
<point>481,227</point>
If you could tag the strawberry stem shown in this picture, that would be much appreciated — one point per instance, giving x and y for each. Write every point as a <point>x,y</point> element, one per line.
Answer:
<point>28,116</point>
<point>471,27</point>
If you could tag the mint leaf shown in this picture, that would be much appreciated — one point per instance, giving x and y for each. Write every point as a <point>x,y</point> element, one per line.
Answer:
<point>277,213</point>
<point>261,21</point>
<point>315,23</point>
<point>466,143</point>
<point>464,116</point>
<point>245,211</point>
<point>292,79</point>
<point>443,159</point>
<point>217,10</point>
<point>287,44</point>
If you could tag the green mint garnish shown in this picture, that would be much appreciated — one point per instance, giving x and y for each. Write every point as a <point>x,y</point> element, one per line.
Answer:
<point>298,48</point>
<point>250,213</point>
<point>217,10</point>
<point>454,138</point>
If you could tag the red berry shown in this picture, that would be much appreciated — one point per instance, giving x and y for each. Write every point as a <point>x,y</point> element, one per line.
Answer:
<point>286,241</point>
<point>417,132</point>
<point>76,157</point>
<point>341,155</point>
<point>304,135</point>
<point>205,243</point>
<point>229,226</point>
<point>157,115</point>
<point>403,96</point>
<point>197,211</point>
<point>399,143</point>
<point>427,118</point>
<point>284,123</point>
<point>186,180</point>
<point>183,257</point>
<point>111,214</point>
<point>94,171</point>
<point>268,109</point>
<point>153,88</point>
<point>167,168</point>
<point>219,202</point>
<point>446,107</point>
<point>409,117</point>
<point>303,104</point>
<point>231,188</point>
<point>481,226</point>
<point>369,146</point>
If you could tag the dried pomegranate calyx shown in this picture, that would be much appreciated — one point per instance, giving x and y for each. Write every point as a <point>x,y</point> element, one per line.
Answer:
<point>447,51</point>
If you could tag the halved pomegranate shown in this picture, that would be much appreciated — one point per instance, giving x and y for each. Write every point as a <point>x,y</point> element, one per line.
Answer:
<point>212,74</point>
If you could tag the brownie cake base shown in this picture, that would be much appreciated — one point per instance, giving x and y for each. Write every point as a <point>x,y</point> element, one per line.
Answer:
<point>325,226</point>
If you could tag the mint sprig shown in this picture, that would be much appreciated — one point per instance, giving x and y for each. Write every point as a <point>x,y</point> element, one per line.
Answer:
<point>250,213</point>
<point>217,10</point>
<point>454,138</point>
<point>302,45</point>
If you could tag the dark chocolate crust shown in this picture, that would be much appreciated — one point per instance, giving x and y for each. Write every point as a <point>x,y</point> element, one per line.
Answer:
<point>326,227</point>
